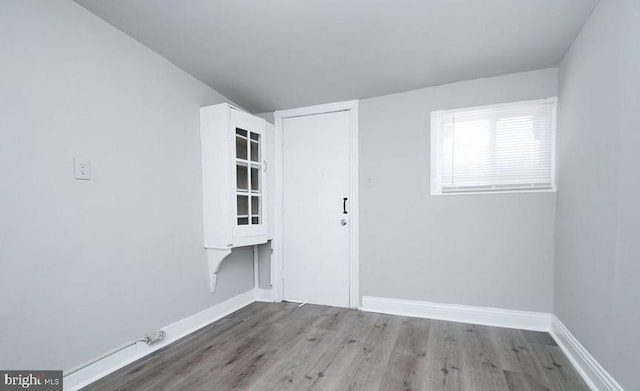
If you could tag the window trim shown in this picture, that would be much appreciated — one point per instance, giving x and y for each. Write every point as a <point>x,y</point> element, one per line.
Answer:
<point>436,153</point>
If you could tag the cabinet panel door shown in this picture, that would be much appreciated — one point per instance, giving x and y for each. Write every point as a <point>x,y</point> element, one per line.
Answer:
<point>249,143</point>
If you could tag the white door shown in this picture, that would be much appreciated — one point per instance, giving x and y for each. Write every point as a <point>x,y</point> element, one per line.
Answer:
<point>316,227</point>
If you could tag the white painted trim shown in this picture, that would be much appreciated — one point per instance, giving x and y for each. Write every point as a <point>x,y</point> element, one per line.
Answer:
<point>524,320</point>
<point>554,144</point>
<point>354,231</point>
<point>318,109</point>
<point>175,331</point>
<point>277,260</point>
<point>354,219</point>
<point>522,191</point>
<point>263,295</point>
<point>596,377</point>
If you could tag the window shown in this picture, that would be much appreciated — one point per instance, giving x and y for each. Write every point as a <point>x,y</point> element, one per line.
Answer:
<point>499,148</point>
<point>248,177</point>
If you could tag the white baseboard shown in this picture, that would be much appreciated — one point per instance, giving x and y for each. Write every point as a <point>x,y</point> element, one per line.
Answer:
<point>596,377</point>
<point>175,331</point>
<point>592,372</point>
<point>537,321</point>
<point>263,295</point>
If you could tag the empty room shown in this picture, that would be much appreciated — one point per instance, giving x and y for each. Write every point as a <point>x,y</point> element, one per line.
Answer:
<point>469,221</point>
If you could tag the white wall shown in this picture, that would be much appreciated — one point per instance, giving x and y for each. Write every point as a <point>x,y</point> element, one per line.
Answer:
<point>492,250</point>
<point>88,265</point>
<point>598,215</point>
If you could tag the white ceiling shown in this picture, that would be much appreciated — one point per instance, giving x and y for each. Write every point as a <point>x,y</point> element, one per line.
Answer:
<point>268,55</point>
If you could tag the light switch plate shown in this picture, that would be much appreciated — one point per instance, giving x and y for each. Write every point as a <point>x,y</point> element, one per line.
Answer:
<point>368,181</point>
<point>82,168</point>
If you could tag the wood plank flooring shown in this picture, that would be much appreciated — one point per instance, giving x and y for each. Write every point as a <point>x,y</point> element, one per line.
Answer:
<point>285,347</point>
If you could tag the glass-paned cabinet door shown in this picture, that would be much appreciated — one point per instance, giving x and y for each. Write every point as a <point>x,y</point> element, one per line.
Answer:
<point>249,169</point>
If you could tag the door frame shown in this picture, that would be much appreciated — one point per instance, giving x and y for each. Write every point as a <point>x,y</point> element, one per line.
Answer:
<point>277,260</point>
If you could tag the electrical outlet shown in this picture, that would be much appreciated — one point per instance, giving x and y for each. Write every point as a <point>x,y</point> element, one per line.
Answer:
<point>82,168</point>
<point>154,336</point>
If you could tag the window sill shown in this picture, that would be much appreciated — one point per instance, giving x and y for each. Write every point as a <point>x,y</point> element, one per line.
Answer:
<point>488,192</point>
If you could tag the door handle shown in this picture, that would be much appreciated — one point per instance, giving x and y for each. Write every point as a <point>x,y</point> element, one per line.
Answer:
<point>343,222</point>
<point>344,206</point>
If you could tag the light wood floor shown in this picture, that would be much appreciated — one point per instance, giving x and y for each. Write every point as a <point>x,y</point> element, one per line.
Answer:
<point>286,347</point>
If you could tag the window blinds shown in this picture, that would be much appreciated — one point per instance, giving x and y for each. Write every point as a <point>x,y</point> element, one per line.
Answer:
<point>494,148</point>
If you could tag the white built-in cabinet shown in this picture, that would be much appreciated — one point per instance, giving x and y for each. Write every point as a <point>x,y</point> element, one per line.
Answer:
<point>235,182</point>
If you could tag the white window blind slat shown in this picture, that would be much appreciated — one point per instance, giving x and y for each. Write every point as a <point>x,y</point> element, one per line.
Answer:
<point>494,148</point>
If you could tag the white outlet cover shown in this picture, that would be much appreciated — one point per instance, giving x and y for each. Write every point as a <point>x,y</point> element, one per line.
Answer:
<point>82,168</point>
